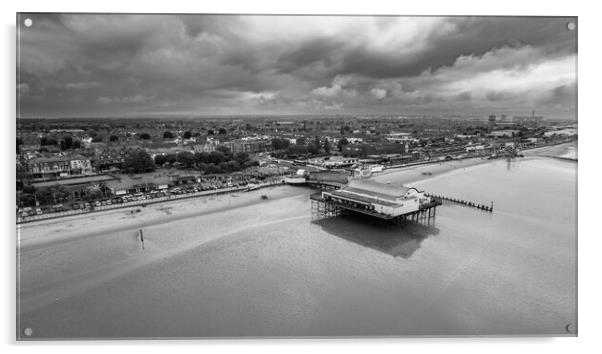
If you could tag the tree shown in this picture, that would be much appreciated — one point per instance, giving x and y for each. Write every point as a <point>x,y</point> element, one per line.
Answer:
<point>160,160</point>
<point>145,136</point>
<point>187,135</point>
<point>19,143</point>
<point>67,143</point>
<point>97,139</point>
<point>241,157</point>
<point>210,132</point>
<point>113,138</point>
<point>225,151</point>
<point>317,142</point>
<point>48,141</point>
<point>216,157</point>
<point>168,135</point>
<point>222,131</point>
<point>201,158</point>
<point>313,149</point>
<point>138,161</point>
<point>171,158</point>
<point>280,144</point>
<point>342,142</point>
<point>186,158</point>
<point>77,144</point>
<point>326,146</point>
<point>213,168</point>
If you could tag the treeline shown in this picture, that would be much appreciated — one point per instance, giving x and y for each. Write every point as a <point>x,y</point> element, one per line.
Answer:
<point>220,161</point>
<point>284,149</point>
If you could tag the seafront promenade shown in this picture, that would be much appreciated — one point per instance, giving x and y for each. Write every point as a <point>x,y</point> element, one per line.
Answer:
<point>143,203</point>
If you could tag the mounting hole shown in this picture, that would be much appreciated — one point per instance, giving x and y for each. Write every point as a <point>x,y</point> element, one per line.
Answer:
<point>28,22</point>
<point>571,26</point>
<point>28,331</point>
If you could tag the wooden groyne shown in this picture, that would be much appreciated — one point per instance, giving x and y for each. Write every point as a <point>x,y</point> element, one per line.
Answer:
<point>464,202</point>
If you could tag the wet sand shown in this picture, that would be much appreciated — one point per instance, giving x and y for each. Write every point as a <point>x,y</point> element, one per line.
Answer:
<point>64,256</point>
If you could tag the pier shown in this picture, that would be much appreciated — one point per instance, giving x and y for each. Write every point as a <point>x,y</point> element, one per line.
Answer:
<point>378,201</point>
<point>322,208</point>
<point>465,203</point>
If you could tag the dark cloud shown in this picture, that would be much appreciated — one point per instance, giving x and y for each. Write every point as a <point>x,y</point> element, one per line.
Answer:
<point>464,96</point>
<point>126,64</point>
<point>496,96</point>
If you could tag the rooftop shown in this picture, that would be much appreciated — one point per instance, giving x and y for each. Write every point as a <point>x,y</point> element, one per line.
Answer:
<point>72,181</point>
<point>383,191</point>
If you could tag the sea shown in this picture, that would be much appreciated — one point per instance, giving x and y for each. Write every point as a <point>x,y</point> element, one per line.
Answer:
<point>277,272</point>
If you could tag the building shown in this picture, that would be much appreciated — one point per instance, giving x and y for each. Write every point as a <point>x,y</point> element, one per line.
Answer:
<point>339,162</point>
<point>528,121</point>
<point>507,133</point>
<point>129,184</point>
<point>363,150</point>
<point>108,159</point>
<point>248,146</point>
<point>399,137</point>
<point>387,201</point>
<point>209,146</point>
<point>81,164</point>
<point>58,166</point>
<point>77,187</point>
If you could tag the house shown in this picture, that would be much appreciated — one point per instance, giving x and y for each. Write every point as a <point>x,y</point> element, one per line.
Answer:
<point>57,166</point>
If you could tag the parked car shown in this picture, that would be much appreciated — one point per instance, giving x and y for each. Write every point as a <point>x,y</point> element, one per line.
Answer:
<point>75,206</point>
<point>57,207</point>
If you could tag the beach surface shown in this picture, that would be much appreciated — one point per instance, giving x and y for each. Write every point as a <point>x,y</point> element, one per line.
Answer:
<point>238,265</point>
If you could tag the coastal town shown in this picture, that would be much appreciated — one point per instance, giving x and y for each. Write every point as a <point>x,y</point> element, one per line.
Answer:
<point>72,166</point>
<point>222,176</point>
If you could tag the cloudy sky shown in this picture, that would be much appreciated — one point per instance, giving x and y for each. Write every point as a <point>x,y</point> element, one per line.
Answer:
<point>145,65</point>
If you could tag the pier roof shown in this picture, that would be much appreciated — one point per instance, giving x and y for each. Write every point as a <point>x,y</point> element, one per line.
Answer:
<point>383,191</point>
<point>364,198</point>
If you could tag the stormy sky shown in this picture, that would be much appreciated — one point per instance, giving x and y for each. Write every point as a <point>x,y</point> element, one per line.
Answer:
<point>76,65</point>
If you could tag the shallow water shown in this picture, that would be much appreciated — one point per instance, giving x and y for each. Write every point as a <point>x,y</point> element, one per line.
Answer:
<point>274,272</point>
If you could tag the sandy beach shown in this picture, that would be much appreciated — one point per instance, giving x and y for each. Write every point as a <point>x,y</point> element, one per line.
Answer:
<point>222,248</point>
<point>63,256</point>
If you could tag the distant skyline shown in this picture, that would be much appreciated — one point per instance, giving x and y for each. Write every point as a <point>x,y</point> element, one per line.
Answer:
<point>78,65</point>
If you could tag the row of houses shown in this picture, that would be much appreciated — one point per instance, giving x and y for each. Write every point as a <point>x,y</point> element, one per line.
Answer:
<point>58,166</point>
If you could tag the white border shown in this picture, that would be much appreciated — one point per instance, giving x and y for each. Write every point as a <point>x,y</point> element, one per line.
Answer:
<point>589,119</point>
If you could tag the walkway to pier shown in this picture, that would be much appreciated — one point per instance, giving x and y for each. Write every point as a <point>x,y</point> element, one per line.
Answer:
<point>464,202</point>
<point>326,185</point>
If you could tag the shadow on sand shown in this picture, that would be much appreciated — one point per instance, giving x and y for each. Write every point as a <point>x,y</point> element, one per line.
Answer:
<point>397,240</point>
